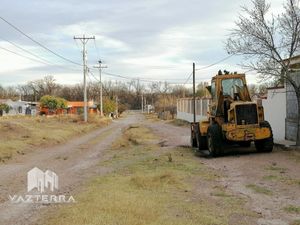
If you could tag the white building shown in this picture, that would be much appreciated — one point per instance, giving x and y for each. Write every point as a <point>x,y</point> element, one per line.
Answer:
<point>19,107</point>
<point>275,112</point>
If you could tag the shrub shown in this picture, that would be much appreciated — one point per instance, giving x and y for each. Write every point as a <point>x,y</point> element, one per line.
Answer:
<point>53,103</point>
<point>3,108</point>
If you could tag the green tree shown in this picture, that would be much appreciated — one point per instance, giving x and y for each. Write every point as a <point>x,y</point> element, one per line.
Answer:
<point>108,105</point>
<point>53,103</point>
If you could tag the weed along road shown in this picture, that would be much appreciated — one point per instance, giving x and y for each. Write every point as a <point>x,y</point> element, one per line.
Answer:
<point>140,170</point>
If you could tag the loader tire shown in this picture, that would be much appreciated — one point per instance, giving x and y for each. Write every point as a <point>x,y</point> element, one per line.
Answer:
<point>245,144</point>
<point>201,142</point>
<point>265,145</point>
<point>214,140</point>
<point>193,139</point>
<point>193,142</point>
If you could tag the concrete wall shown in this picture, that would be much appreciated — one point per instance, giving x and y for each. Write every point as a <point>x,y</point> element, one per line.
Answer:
<point>275,112</point>
<point>185,109</point>
<point>189,117</point>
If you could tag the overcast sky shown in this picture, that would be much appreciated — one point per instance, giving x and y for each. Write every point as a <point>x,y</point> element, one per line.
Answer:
<point>152,39</point>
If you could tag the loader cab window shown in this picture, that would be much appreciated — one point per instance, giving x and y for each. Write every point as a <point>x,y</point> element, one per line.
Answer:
<point>230,86</point>
<point>213,90</point>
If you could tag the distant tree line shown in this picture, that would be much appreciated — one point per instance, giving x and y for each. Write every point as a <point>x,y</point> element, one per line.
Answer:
<point>160,94</point>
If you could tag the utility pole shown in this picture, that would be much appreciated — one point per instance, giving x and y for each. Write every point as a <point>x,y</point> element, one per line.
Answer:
<point>117,106</point>
<point>101,93</point>
<point>142,102</point>
<point>84,40</point>
<point>194,93</point>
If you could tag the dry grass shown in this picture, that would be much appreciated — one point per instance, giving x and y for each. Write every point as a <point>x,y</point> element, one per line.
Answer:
<point>148,188</point>
<point>295,222</point>
<point>152,117</point>
<point>134,135</point>
<point>20,134</point>
<point>180,123</point>
<point>295,155</point>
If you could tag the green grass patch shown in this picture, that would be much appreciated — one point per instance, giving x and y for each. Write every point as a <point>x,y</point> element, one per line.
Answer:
<point>271,177</point>
<point>259,189</point>
<point>283,179</point>
<point>292,209</point>
<point>276,168</point>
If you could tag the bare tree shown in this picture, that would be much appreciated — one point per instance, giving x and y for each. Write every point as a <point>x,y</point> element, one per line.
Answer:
<point>268,42</point>
<point>49,85</point>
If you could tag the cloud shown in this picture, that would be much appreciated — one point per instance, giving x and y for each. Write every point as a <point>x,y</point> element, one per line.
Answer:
<point>153,38</point>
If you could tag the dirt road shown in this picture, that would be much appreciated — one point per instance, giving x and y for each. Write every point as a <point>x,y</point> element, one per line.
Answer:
<point>73,161</point>
<point>269,183</point>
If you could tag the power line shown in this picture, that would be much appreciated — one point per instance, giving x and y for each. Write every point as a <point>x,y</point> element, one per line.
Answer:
<point>133,78</point>
<point>97,50</point>
<point>213,64</point>
<point>93,75</point>
<point>25,50</point>
<point>145,79</point>
<point>15,53</point>
<point>153,67</point>
<point>41,61</point>
<point>77,45</point>
<point>189,77</point>
<point>38,43</point>
<point>89,77</point>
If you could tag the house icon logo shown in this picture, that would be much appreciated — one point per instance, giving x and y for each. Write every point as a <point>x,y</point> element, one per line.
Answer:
<point>40,180</point>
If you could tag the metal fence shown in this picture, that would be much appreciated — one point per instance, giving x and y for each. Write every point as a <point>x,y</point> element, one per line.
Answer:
<point>185,109</point>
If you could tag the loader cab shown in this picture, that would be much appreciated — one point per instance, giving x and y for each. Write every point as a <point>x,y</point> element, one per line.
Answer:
<point>231,85</point>
<point>226,89</point>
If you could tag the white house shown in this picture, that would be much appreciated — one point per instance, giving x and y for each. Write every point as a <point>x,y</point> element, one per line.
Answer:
<point>19,107</point>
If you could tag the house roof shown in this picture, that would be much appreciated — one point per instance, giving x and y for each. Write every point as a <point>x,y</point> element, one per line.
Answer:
<point>294,58</point>
<point>80,104</point>
<point>294,61</point>
<point>3,100</point>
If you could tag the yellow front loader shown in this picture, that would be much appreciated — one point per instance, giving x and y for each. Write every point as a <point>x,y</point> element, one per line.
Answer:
<point>232,118</point>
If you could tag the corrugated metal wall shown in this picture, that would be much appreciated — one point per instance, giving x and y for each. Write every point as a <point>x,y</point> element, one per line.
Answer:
<point>291,109</point>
